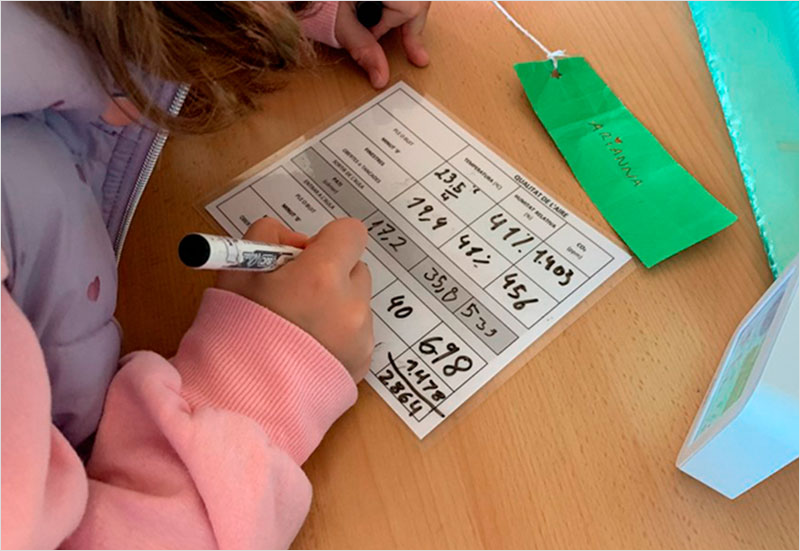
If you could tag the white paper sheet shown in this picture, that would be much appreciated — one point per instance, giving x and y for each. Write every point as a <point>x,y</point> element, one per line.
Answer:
<point>470,262</point>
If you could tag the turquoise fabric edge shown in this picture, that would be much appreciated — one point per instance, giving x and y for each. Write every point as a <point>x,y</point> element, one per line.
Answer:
<point>732,114</point>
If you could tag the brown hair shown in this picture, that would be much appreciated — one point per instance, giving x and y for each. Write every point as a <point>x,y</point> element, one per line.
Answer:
<point>230,53</point>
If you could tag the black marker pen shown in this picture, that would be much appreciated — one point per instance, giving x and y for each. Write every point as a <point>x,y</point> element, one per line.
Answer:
<point>369,13</point>
<point>215,252</point>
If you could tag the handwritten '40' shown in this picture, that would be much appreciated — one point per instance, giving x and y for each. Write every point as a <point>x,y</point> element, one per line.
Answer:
<point>614,146</point>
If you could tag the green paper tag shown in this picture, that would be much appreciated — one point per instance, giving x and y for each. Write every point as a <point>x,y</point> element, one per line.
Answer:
<point>651,201</point>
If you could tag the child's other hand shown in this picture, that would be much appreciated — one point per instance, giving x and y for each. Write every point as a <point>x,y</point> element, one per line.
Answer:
<point>326,290</point>
<point>362,43</point>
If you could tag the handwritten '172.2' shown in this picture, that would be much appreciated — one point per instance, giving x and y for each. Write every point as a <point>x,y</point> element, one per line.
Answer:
<point>385,232</point>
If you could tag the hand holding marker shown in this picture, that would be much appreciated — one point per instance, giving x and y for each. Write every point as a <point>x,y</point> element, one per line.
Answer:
<point>325,289</point>
<point>214,252</point>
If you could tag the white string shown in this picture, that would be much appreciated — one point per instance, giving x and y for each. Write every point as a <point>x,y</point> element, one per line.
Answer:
<point>550,55</point>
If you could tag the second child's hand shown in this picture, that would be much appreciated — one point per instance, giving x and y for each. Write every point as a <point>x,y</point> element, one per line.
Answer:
<point>362,43</point>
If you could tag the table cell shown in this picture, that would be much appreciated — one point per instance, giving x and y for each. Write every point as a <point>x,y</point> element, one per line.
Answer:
<point>423,124</point>
<point>521,296</point>
<point>380,172</point>
<point>397,141</point>
<point>404,312</point>
<point>475,257</point>
<point>386,342</point>
<point>533,214</point>
<point>427,215</point>
<point>483,173</point>
<point>424,383</point>
<point>381,276</point>
<point>449,356</point>
<point>579,250</point>
<point>440,284</point>
<point>505,234</point>
<point>551,272</point>
<point>457,193</point>
<point>394,241</point>
<point>243,208</point>
<point>486,326</point>
<point>407,373</point>
<point>349,199</point>
<point>296,207</point>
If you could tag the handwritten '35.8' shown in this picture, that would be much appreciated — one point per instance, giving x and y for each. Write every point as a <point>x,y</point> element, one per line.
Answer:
<point>439,285</point>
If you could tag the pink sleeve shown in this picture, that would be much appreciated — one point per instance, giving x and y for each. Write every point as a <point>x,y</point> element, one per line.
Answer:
<point>201,452</point>
<point>320,25</point>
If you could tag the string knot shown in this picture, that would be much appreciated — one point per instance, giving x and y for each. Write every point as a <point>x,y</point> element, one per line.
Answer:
<point>553,56</point>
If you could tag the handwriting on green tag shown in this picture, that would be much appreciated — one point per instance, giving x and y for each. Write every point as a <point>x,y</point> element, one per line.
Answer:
<point>651,201</point>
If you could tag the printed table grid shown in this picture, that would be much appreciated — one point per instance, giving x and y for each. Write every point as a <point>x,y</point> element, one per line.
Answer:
<point>486,211</point>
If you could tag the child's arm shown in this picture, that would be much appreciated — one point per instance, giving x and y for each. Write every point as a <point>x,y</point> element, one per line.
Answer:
<point>201,452</point>
<point>320,25</point>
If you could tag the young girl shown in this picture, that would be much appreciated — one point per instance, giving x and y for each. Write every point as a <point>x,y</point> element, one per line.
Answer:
<point>203,449</point>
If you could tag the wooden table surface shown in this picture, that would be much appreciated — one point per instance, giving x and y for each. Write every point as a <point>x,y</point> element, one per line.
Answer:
<point>578,448</point>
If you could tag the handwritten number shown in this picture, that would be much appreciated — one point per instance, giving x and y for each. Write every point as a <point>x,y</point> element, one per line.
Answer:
<point>520,304</point>
<point>465,242</point>
<point>516,291</point>
<point>550,266</point>
<point>441,221</point>
<point>385,376</point>
<point>450,295</point>
<point>471,309</point>
<point>445,176</point>
<point>402,311</point>
<point>462,363</point>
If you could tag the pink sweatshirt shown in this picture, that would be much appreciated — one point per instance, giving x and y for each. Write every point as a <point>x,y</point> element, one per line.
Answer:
<point>199,451</point>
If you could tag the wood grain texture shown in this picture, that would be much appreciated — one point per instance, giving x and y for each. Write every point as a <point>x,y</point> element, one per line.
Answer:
<point>578,448</point>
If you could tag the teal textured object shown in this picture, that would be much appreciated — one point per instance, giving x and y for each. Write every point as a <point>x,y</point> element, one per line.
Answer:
<point>751,49</point>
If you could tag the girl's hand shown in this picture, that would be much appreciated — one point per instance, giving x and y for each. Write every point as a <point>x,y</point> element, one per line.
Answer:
<point>362,43</point>
<point>326,290</point>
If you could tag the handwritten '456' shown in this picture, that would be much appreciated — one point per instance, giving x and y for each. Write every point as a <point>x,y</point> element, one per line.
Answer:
<point>516,291</point>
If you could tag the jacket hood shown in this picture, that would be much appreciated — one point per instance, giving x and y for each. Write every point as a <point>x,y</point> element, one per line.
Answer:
<point>43,67</point>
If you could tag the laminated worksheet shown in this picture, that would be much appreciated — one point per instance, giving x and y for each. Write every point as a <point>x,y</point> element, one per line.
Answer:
<point>471,262</point>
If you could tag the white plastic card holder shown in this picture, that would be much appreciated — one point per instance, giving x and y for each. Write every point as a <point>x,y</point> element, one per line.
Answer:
<point>747,427</point>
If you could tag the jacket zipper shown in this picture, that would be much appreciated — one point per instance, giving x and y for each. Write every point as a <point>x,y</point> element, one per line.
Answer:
<point>153,153</point>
